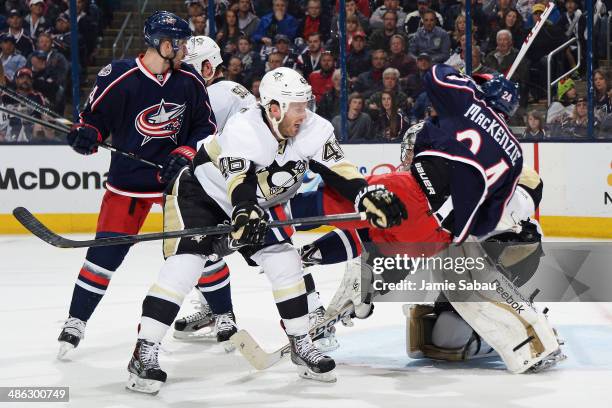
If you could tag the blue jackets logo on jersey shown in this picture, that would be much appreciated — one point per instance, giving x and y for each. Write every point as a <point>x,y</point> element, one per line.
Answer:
<point>160,121</point>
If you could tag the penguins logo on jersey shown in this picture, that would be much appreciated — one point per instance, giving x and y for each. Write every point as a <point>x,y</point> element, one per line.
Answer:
<point>160,121</point>
<point>276,180</point>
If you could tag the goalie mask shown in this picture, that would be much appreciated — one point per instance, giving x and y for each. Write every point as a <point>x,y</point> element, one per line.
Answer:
<point>407,146</point>
<point>283,86</point>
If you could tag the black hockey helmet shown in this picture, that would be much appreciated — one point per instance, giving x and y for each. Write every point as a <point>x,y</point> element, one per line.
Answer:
<point>164,25</point>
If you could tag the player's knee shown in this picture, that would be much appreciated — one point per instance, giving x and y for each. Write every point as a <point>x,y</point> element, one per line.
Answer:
<point>180,273</point>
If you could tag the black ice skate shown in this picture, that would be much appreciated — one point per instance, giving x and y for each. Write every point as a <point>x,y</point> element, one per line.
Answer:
<point>72,333</point>
<point>145,374</point>
<point>196,326</point>
<point>326,340</point>
<point>310,362</point>
<point>225,327</point>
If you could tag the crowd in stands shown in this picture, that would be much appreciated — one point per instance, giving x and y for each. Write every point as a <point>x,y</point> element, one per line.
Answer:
<point>390,45</point>
<point>35,44</point>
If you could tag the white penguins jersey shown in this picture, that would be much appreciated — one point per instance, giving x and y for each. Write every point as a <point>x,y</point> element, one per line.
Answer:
<point>226,99</point>
<point>247,153</point>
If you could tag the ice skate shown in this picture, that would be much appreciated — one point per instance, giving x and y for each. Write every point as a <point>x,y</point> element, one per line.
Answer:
<point>145,374</point>
<point>196,326</point>
<point>72,333</point>
<point>326,341</point>
<point>225,327</point>
<point>310,362</point>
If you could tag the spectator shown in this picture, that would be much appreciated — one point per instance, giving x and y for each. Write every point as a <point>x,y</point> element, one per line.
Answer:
<point>309,60</point>
<point>399,59</point>
<point>380,38</point>
<point>53,9</point>
<point>359,124</point>
<point>199,24</point>
<point>414,20</point>
<point>88,29</point>
<point>453,11</point>
<point>351,10</point>
<point>314,21</point>
<point>276,22</point>
<point>577,125</point>
<point>414,83</point>
<point>358,59</point>
<point>431,40</point>
<point>477,66</point>
<point>458,32</point>
<point>377,18</point>
<point>255,89</point>
<point>18,130</point>
<point>275,60</point>
<point>362,5</point>
<point>35,22</point>
<point>44,81</point>
<point>388,120</point>
<point>3,78</point>
<point>352,27</point>
<point>247,20</point>
<point>502,58</point>
<point>282,42</point>
<point>329,106</point>
<point>564,106</point>
<point>194,9</point>
<point>57,65</point>
<point>227,37</point>
<point>603,94</point>
<point>391,86</point>
<point>514,23</point>
<point>234,70</point>
<point>11,60</point>
<point>534,128</point>
<point>19,5</point>
<point>498,10</point>
<point>569,19</point>
<point>23,43</point>
<point>371,81</point>
<point>321,80</point>
<point>251,63</point>
<point>457,58</point>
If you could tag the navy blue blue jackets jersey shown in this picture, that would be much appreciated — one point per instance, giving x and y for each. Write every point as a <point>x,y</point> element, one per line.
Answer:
<point>149,115</point>
<point>487,158</point>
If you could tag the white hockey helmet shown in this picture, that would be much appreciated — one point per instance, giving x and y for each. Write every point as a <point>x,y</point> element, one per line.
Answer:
<point>283,85</point>
<point>202,48</point>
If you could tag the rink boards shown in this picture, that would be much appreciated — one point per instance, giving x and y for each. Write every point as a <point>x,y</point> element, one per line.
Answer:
<point>65,188</point>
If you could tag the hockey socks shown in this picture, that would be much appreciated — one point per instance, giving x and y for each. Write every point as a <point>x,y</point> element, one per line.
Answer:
<point>214,284</point>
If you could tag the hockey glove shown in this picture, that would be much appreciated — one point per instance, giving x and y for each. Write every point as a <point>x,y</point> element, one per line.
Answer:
<point>383,208</point>
<point>84,138</point>
<point>250,223</point>
<point>177,159</point>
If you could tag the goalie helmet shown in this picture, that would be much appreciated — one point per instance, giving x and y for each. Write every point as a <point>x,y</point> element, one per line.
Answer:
<point>283,86</point>
<point>407,146</point>
<point>202,48</point>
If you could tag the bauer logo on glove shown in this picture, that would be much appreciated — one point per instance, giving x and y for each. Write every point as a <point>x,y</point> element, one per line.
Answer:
<point>383,208</point>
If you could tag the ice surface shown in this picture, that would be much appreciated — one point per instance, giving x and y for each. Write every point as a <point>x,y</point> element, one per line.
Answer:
<point>36,282</point>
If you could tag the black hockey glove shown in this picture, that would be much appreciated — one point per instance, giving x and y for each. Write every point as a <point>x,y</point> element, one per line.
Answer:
<point>84,138</point>
<point>177,159</point>
<point>383,208</point>
<point>250,224</point>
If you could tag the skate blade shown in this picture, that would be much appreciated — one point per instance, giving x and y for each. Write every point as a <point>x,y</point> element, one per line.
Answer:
<point>326,344</point>
<point>64,349</point>
<point>228,346</point>
<point>200,335</point>
<point>137,384</point>
<point>307,373</point>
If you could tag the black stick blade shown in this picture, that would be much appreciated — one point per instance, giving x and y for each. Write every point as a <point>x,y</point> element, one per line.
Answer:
<point>27,219</point>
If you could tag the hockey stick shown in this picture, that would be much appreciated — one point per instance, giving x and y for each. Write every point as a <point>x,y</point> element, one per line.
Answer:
<point>65,130</point>
<point>35,106</point>
<point>261,360</point>
<point>32,224</point>
<point>529,40</point>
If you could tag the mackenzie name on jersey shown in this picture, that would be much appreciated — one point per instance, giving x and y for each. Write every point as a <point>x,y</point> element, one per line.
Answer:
<point>496,130</point>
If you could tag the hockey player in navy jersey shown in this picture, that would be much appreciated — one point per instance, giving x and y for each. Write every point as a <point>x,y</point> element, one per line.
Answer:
<point>157,108</point>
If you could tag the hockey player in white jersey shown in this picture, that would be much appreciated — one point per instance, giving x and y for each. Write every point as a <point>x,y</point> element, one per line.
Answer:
<point>214,320</point>
<point>245,175</point>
